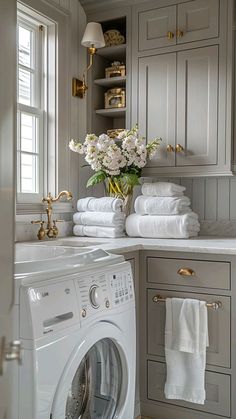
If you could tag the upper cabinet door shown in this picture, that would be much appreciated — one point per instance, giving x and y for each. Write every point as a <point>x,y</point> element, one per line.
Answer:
<point>197,20</point>
<point>157,103</point>
<point>197,106</point>
<point>157,28</point>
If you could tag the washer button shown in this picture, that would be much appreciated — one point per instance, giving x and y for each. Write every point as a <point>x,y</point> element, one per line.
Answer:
<point>84,313</point>
<point>107,304</point>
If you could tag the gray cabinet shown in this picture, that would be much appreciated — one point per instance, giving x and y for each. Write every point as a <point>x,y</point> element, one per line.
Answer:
<point>218,353</point>
<point>157,28</point>
<point>217,392</point>
<point>197,106</point>
<point>157,103</point>
<point>168,274</point>
<point>177,24</point>
<point>197,20</point>
<point>181,90</point>
<point>182,84</point>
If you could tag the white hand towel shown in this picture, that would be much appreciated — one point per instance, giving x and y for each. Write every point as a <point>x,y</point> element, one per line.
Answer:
<point>108,219</point>
<point>161,205</point>
<point>98,231</point>
<point>162,189</point>
<point>186,339</point>
<point>163,226</point>
<point>104,204</point>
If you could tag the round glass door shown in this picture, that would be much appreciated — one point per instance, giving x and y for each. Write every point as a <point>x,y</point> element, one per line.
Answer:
<point>96,386</point>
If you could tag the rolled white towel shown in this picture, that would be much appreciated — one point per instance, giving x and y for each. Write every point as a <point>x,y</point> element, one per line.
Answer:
<point>162,189</point>
<point>158,205</point>
<point>104,204</point>
<point>163,226</point>
<point>98,231</point>
<point>108,219</point>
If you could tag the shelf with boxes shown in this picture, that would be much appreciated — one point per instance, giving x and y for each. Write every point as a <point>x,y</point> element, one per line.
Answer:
<point>109,80</point>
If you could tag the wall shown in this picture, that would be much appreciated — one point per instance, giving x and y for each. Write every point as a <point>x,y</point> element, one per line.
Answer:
<point>213,199</point>
<point>73,112</point>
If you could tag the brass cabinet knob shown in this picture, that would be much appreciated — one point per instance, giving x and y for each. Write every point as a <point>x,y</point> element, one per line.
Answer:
<point>179,148</point>
<point>170,148</point>
<point>179,33</point>
<point>170,35</point>
<point>186,272</point>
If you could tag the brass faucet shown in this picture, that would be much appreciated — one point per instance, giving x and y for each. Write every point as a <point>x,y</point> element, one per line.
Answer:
<point>51,229</point>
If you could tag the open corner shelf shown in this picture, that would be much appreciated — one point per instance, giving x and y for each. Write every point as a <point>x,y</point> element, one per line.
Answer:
<point>117,51</point>
<point>112,113</point>
<point>111,81</point>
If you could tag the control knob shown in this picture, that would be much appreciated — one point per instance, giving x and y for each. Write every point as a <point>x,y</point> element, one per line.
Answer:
<point>96,296</point>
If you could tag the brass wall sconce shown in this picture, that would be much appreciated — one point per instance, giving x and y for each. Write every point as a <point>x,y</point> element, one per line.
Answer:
<point>93,39</point>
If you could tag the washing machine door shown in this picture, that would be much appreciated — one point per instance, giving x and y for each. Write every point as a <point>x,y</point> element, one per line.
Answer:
<point>95,384</point>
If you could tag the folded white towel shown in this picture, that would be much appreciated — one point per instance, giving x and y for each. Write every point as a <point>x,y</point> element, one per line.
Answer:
<point>108,219</point>
<point>104,204</point>
<point>161,205</point>
<point>98,231</point>
<point>186,339</point>
<point>162,189</point>
<point>163,226</point>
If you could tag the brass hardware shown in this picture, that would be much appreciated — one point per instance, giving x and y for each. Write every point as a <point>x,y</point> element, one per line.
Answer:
<point>51,229</point>
<point>186,272</point>
<point>41,232</point>
<point>79,87</point>
<point>55,228</point>
<point>170,35</point>
<point>215,305</point>
<point>179,33</point>
<point>10,352</point>
<point>170,148</point>
<point>179,148</point>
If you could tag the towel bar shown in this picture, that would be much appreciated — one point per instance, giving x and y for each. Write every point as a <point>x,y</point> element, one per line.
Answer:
<point>215,304</point>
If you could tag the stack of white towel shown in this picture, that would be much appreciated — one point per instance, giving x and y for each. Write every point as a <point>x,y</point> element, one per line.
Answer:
<point>162,211</point>
<point>99,217</point>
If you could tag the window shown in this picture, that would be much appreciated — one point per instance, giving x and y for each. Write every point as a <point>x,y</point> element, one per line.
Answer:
<point>32,83</point>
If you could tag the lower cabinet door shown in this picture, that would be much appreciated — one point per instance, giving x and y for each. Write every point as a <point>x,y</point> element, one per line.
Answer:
<point>218,352</point>
<point>217,390</point>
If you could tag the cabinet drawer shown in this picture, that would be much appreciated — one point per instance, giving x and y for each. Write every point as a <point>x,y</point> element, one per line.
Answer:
<point>218,352</point>
<point>154,26</point>
<point>217,390</point>
<point>198,20</point>
<point>205,274</point>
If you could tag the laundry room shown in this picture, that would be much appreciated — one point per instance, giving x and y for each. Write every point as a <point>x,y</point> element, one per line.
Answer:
<point>118,209</point>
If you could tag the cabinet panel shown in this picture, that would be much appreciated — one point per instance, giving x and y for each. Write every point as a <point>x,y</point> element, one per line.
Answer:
<point>198,20</point>
<point>217,390</point>
<point>206,274</point>
<point>197,106</point>
<point>218,352</point>
<point>157,103</point>
<point>154,26</point>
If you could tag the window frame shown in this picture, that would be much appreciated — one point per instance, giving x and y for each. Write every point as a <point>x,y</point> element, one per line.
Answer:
<point>37,108</point>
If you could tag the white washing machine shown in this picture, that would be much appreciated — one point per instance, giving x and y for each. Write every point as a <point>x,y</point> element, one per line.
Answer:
<point>79,347</point>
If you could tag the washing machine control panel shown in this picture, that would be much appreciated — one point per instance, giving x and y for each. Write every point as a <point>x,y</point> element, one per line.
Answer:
<point>105,290</point>
<point>121,285</point>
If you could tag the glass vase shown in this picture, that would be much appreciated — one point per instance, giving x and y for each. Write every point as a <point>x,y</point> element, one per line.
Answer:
<point>125,192</point>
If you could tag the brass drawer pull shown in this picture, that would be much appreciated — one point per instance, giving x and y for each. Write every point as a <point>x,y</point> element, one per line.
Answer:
<point>170,35</point>
<point>215,305</point>
<point>179,33</point>
<point>186,272</point>
<point>170,148</point>
<point>179,148</point>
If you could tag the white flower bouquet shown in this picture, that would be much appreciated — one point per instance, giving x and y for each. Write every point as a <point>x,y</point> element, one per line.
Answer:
<point>119,161</point>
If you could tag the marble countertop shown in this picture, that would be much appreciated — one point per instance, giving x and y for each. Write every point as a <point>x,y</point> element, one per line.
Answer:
<point>211,244</point>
